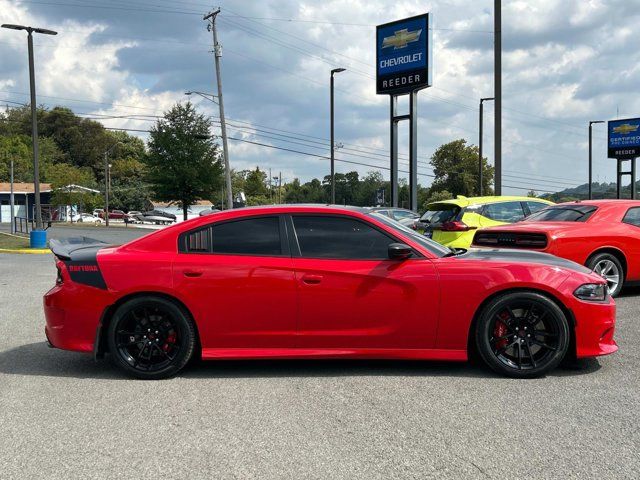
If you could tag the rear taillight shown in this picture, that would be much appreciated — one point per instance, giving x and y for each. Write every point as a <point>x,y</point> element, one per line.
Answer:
<point>456,226</point>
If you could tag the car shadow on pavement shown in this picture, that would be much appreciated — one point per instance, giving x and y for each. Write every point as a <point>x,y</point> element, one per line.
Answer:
<point>348,367</point>
<point>37,359</point>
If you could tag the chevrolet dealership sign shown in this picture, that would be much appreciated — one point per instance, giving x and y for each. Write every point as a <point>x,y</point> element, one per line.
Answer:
<point>624,138</point>
<point>403,55</point>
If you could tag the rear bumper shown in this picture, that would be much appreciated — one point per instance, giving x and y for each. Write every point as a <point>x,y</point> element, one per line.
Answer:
<point>595,327</point>
<point>72,314</point>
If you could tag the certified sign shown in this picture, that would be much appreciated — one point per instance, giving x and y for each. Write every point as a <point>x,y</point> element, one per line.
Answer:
<point>403,55</point>
<point>624,138</point>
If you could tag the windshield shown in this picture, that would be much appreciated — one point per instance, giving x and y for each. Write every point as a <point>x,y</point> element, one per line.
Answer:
<point>427,243</point>
<point>563,213</point>
<point>442,212</point>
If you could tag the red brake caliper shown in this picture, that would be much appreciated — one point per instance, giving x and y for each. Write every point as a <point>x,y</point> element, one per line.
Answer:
<point>500,330</point>
<point>171,340</point>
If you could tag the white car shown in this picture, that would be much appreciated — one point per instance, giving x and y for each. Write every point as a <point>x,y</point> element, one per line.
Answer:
<point>86,218</point>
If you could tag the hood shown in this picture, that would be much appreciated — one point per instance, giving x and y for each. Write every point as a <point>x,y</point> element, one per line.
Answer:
<point>521,256</point>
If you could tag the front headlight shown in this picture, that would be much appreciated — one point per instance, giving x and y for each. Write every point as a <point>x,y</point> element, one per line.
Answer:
<point>592,292</point>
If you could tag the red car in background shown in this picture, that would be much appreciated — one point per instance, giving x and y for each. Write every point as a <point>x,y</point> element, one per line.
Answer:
<point>114,215</point>
<point>603,235</point>
<point>319,282</point>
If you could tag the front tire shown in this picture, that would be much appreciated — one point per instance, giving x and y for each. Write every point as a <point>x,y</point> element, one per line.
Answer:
<point>608,267</point>
<point>151,337</point>
<point>522,335</point>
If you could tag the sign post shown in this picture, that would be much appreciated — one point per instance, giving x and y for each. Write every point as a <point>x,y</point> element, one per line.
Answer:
<point>403,67</point>
<point>624,144</point>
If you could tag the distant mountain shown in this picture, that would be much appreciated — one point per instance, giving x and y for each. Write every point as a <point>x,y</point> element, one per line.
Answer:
<point>600,190</point>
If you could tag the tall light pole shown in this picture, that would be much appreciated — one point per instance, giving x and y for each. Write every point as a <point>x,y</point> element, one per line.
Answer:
<point>333,160</point>
<point>480,140</point>
<point>217,52</point>
<point>591,155</point>
<point>107,181</point>
<point>34,118</point>
<point>497,79</point>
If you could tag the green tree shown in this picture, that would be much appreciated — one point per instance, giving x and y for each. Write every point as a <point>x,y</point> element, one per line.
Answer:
<point>436,197</point>
<point>183,165</point>
<point>18,148</point>
<point>455,165</point>
<point>62,175</point>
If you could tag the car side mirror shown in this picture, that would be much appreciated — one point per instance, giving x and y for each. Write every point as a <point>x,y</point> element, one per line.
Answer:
<point>399,251</point>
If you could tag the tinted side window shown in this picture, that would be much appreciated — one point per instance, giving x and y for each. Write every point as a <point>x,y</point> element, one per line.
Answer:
<point>508,212</point>
<point>342,238</point>
<point>253,236</point>
<point>536,206</point>
<point>632,217</point>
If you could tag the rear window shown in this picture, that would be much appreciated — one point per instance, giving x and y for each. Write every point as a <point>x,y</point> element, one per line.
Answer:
<point>563,213</point>
<point>442,212</point>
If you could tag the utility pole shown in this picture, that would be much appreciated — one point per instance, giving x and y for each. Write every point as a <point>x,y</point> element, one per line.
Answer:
<point>591,155</point>
<point>333,149</point>
<point>34,118</point>
<point>217,51</point>
<point>480,142</point>
<point>497,79</point>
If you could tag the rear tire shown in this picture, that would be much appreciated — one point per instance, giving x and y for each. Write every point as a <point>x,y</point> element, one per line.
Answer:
<point>151,337</point>
<point>608,267</point>
<point>522,335</point>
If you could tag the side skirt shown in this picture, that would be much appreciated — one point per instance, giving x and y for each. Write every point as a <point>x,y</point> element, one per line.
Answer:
<point>317,353</point>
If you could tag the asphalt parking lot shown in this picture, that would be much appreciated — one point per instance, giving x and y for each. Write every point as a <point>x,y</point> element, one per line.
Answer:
<point>64,416</point>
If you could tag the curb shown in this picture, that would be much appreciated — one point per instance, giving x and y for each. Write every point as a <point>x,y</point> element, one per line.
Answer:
<point>32,251</point>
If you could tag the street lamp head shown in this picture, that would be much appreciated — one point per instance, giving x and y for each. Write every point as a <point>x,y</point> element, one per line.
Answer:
<point>44,31</point>
<point>337,70</point>
<point>595,121</point>
<point>13,27</point>
<point>487,99</point>
<point>188,93</point>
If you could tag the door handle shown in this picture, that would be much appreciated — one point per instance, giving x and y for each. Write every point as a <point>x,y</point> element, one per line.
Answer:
<point>192,273</point>
<point>312,279</point>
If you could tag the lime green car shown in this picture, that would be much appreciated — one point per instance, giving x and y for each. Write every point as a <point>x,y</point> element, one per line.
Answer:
<point>453,222</point>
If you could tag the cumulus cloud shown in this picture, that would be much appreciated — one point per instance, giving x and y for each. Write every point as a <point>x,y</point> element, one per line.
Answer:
<point>565,62</point>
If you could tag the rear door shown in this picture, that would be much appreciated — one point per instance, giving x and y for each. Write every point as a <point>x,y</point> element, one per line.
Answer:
<point>351,295</point>
<point>237,278</point>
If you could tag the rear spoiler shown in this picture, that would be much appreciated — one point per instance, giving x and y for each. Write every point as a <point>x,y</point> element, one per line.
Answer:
<point>77,249</point>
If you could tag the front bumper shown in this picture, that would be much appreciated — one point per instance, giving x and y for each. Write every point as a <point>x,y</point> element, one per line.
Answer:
<point>595,326</point>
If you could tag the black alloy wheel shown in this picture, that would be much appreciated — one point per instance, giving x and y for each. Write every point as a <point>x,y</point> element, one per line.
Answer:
<point>151,337</point>
<point>522,334</point>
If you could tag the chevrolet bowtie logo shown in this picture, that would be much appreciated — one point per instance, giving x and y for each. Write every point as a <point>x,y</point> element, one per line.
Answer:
<point>625,129</point>
<point>401,38</point>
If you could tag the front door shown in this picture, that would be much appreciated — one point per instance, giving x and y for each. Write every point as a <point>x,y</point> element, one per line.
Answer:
<point>352,296</point>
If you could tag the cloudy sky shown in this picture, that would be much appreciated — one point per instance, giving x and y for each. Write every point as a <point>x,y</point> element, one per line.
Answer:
<point>565,62</point>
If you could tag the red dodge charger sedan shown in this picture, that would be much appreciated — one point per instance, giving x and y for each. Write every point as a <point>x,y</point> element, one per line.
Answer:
<point>604,235</point>
<point>320,282</point>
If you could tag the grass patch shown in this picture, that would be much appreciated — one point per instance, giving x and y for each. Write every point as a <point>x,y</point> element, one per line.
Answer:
<point>13,243</point>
